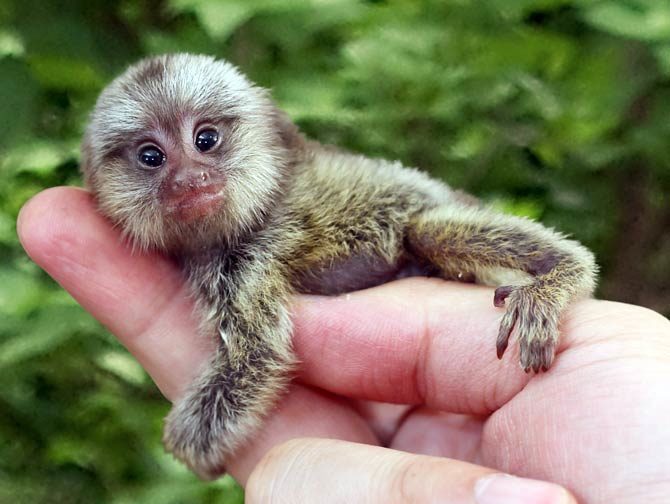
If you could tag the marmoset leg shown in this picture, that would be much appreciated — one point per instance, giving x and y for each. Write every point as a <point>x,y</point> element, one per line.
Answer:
<point>249,371</point>
<point>466,241</point>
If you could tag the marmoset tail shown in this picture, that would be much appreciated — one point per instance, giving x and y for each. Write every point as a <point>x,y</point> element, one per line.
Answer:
<point>187,157</point>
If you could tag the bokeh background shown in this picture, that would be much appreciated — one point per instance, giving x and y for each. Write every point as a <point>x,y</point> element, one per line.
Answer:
<point>554,109</point>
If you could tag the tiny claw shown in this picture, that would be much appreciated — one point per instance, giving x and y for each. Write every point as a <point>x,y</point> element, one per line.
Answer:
<point>500,349</point>
<point>504,332</point>
<point>500,294</point>
<point>501,346</point>
<point>548,357</point>
<point>536,353</point>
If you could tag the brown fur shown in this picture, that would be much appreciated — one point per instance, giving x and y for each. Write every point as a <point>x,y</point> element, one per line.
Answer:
<point>297,217</point>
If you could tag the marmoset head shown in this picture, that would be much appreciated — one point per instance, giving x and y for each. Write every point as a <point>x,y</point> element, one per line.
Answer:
<point>183,152</point>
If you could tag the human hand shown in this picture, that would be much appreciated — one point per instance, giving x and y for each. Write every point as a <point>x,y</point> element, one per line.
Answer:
<point>595,423</point>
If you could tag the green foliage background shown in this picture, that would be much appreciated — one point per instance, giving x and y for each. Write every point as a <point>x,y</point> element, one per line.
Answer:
<point>556,109</point>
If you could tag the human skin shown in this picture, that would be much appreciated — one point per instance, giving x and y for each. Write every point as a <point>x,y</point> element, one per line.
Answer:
<point>596,423</point>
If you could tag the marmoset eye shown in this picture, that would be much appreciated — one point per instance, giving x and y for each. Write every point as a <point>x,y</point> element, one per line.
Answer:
<point>151,156</point>
<point>206,139</point>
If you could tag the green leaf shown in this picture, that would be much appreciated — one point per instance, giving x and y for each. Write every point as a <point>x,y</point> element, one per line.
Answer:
<point>641,20</point>
<point>123,365</point>
<point>11,43</point>
<point>38,156</point>
<point>52,326</point>
<point>62,73</point>
<point>662,53</point>
<point>530,208</point>
<point>7,230</point>
<point>18,97</point>
<point>19,292</point>
<point>219,19</point>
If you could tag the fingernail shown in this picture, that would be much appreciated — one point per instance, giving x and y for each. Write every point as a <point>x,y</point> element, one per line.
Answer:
<point>505,489</point>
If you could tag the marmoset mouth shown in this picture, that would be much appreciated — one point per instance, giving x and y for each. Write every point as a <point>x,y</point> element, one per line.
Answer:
<point>197,204</point>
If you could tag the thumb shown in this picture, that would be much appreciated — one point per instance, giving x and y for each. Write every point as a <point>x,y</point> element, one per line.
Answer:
<point>326,470</point>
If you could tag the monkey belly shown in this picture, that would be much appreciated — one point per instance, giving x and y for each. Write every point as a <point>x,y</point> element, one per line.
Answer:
<point>356,273</point>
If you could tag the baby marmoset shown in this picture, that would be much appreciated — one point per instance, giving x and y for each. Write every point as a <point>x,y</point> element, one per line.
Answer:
<point>188,157</point>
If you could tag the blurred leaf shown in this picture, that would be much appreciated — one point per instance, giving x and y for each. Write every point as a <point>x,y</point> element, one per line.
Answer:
<point>662,53</point>
<point>219,19</point>
<point>19,292</point>
<point>18,97</point>
<point>469,143</point>
<point>10,43</point>
<point>647,20</point>
<point>122,365</point>
<point>62,73</point>
<point>521,207</point>
<point>7,231</point>
<point>51,327</point>
<point>38,156</point>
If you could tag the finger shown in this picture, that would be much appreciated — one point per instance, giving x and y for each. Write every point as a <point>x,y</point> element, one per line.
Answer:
<point>417,341</point>
<point>302,412</point>
<point>318,470</point>
<point>426,341</point>
<point>440,434</point>
<point>383,418</point>
<point>425,431</point>
<point>140,298</point>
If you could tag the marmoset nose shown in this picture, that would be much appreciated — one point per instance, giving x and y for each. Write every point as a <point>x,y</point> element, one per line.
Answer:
<point>192,192</point>
<point>189,180</point>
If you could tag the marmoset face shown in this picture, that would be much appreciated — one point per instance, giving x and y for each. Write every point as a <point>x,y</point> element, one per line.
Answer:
<point>181,152</point>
